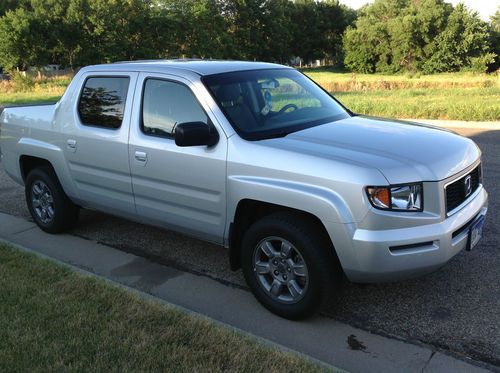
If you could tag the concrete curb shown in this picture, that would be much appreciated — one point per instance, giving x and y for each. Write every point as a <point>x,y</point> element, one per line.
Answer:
<point>322,339</point>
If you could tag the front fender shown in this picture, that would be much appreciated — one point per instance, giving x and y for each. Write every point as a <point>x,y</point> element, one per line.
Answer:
<point>321,202</point>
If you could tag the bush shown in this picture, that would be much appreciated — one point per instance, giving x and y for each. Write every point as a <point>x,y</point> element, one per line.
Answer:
<point>480,64</point>
<point>23,82</point>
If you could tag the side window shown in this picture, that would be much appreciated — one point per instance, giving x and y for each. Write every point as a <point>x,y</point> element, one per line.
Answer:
<point>102,101</point>
<point>165,104</point>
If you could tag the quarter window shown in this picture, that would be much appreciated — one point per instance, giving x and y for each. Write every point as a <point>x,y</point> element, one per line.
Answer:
<point>167,104</point>
<point>102,101</point>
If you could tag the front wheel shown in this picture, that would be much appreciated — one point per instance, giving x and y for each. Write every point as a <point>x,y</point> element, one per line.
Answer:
<point>289,265</point>
<point>48,205</point>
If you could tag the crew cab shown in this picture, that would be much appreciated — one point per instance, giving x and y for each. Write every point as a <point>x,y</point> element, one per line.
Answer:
<point>257,158</point>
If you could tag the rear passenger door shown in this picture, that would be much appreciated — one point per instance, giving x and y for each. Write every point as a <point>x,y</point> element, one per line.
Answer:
<point>176,187</point>
<point>96,142</point>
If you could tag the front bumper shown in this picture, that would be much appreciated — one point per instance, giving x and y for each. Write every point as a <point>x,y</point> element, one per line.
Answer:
<point>395,254</point>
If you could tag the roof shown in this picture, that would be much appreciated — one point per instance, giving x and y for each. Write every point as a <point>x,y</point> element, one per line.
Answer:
<point>200,67</point>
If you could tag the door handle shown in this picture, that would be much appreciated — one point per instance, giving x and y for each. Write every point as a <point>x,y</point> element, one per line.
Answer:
<point>71,144</point>
<point>141,156</point>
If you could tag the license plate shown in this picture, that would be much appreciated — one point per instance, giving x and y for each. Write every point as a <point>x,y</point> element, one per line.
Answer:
<point>475,232</point>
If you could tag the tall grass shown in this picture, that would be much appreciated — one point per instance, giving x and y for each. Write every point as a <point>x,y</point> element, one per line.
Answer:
<point>27,88</point>
<point>452,96</point>
<point>471,104</point>
<point>349,82</point>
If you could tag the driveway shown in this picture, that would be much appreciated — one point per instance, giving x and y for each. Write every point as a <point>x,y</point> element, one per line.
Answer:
<point>456,308</point>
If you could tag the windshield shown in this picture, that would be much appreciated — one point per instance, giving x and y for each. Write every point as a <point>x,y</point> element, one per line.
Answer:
<point>272,103</point>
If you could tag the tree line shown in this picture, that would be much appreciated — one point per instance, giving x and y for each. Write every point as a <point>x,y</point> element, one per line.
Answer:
<point>385,36</point>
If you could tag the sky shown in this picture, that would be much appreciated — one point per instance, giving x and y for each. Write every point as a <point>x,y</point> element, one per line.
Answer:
<point>485,8</point>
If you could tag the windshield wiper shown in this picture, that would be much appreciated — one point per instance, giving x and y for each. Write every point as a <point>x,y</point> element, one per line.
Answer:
<point>278,134</point>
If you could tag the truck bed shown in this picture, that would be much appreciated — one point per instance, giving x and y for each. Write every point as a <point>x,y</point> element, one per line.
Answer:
<point>20,124</point>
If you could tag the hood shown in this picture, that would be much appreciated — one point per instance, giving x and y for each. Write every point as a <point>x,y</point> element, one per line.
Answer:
<point>404,152</point>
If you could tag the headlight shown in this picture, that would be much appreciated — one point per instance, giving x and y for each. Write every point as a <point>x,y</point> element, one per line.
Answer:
<point>407,197</point>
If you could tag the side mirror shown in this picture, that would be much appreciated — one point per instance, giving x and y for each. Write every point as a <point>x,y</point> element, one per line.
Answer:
<point>270,84</point>
<point>195,134</point>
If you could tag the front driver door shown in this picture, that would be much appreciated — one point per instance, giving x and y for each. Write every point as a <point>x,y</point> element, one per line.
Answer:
<point>182,188</point>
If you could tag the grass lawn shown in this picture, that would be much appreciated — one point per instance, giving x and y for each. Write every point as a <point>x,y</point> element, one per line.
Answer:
<point>477,104</point>
<point>20,98</point>
<point>53,319</point>
<point>454,96</point>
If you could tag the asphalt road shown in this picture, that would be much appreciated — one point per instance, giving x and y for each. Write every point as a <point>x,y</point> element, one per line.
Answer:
<point>456,308</point>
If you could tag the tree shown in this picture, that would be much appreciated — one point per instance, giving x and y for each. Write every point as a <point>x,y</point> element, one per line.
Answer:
<point>415,35</point>
<point>317,29</point>
<point>21,40</point>
<point>196,28</point>
<point>495,40</point>
<point>6,5</point>
<point>80,32</point>
<point>462,42</point>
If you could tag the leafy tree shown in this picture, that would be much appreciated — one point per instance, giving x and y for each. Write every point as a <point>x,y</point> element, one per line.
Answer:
<point>80,32</point>
<point>464,40</point>
<point>495,21</point>
<point>247,21</point>
<point>21,40</point>
<point>415,35</point>
<point>6,5</point>
<point>495,40</point>
<point>196,28</point>
<point>317,29</point>
<point>334,18</point>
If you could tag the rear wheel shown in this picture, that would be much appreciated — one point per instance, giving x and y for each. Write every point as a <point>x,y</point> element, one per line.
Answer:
<point>48,205</point>
<point>289,265</point>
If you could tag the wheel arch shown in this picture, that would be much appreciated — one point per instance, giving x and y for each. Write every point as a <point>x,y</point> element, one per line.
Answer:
<point>252,197</point>
<point>249,211</point>
<point>34,153</point>
<point>27,163</point>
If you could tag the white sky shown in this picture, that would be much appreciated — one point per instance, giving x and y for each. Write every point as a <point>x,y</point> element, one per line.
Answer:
<point>486,8</point>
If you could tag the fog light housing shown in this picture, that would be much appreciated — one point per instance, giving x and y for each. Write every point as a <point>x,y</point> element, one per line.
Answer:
<point>405,197</point>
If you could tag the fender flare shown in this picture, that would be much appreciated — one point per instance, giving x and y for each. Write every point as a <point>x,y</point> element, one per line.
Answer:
<point>52,154</point>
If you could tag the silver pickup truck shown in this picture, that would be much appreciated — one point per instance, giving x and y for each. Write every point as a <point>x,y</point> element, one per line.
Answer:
<point>255,157</point>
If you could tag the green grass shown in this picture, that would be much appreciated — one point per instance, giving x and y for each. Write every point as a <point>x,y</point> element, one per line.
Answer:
<point>453,96</point>
<point>53,319</point>
<point>19,98</point>
<point>354,81</point>
<point>475,104</point>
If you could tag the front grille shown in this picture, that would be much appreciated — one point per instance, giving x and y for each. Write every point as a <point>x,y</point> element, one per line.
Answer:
<point>456,191</point>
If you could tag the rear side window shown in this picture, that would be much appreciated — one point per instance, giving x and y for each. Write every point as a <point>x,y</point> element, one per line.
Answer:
<point>102,101</point>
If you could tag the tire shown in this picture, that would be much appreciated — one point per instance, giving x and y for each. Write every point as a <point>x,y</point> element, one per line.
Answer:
<point>48,205</point>
<point>291,253</point>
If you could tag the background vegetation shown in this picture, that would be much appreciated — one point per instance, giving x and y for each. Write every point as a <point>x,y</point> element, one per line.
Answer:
<point>428,56</point>
<point>455,96</point>
<point>386,36</point>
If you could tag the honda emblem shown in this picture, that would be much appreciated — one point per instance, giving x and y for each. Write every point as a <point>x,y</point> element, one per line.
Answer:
<point>468,185</point>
